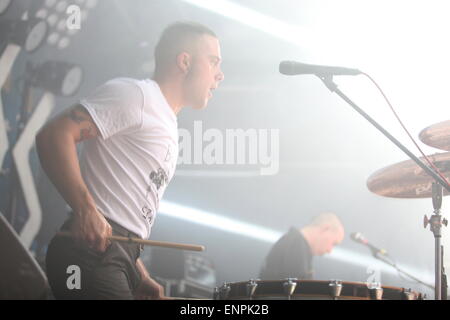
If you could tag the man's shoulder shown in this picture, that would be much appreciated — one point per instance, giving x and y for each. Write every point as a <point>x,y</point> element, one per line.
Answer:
<point>145,85</point>
<point>124,81</point>
<point>125,86</point>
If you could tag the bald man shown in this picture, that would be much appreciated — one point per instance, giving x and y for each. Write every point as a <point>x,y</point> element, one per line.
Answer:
<point>291,256</point>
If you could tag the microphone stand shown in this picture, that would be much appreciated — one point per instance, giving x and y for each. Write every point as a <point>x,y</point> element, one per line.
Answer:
<point>394,265</point>
<point>444,279</point>
<point>435,221</point>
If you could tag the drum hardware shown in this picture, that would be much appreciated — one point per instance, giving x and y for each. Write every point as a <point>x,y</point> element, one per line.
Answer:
<point>251,288</point>
<point>289,287</point>
<point>335,288</point>
<point>407,180</point>
<point>444,278</point>
<point>224,291</point>
<point>375,291</point>
<point>438,136</point>
<point>293,289</point>
<point>436,222</point>
<point>216,293</point>
<point>408,294</point>
<point>327,79</point>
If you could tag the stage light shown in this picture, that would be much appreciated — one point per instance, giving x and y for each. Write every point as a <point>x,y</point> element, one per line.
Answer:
<point>4,4</point>
<point>63,43</point>
<point>52,20</point>
<point>58,77</point>
<point>28,34</point>
<point>42,14</point>
<point>291,33</point>
<point>53,38</point>
<point>218,222</point>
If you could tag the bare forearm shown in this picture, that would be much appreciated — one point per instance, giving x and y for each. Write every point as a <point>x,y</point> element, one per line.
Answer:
<point>58,157</point>
<point>142,269</point>
<point>148,288</point>
<point>56,146</point>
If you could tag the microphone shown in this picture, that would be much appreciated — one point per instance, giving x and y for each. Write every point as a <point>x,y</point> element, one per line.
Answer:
<point>358,237</point>
<point>292,68</point>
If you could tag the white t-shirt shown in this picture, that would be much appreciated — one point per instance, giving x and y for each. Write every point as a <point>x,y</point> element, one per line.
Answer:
<point>128,168</point>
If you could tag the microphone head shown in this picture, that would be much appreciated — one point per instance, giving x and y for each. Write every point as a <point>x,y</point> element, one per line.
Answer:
<point>288,68</point>
<point>358,237</point>
<point>292,68</point>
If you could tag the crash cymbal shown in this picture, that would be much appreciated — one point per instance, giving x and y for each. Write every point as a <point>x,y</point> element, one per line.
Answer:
<point>437,135</point>
<point>406,179</point>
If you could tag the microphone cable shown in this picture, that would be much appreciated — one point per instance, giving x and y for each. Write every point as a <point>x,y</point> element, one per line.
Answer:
<point>406,130</point>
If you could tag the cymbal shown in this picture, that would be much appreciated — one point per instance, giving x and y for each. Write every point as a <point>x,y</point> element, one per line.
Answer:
<point>406,179</point>
<point>437,135</point>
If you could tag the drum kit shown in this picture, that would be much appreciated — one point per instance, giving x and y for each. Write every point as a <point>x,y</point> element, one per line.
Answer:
<point>294,289</point>
<point>401,180</point>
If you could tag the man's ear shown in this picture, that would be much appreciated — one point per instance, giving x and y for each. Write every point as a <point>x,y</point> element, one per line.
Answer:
<point>184,62</point>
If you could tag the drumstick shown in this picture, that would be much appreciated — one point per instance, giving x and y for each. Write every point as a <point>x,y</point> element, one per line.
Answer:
<point>182,246</point>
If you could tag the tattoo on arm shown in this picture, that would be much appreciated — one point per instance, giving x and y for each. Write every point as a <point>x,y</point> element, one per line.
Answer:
<point>86,133</point>
<point>77,114</point>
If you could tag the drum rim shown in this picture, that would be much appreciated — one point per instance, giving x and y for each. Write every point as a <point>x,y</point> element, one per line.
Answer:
<point>235,286</point>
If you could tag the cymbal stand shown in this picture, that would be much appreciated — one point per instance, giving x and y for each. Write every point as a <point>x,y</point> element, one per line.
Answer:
<point>436,221</point>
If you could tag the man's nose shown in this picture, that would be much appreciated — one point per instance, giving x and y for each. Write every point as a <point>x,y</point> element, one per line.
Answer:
<point>220,76</point>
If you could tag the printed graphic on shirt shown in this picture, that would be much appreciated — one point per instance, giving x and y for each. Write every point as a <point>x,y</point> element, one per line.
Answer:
<point>147,214</point>
<point>159,178</point>
<point>169,154</point>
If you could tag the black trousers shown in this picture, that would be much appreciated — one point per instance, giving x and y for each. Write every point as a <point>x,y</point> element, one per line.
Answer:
<point>76,272</point>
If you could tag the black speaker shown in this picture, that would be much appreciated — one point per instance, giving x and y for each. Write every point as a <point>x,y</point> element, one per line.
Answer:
<point>21,278</point>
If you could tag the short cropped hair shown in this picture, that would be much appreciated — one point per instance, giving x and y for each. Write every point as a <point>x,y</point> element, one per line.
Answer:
<point>327,218</point>
<point>175,39</point>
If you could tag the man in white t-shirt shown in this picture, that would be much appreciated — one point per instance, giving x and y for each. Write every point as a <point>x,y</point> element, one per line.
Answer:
<point>130,146</point>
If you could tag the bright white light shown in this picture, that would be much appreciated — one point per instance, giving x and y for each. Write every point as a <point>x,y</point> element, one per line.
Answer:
<point>270,236</point>
<point>215,221</point>
<point>290,33</point>
<point>401,43</point>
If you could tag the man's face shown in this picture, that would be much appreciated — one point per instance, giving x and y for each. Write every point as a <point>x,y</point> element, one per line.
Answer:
<point>328,239</point>
<point>204,74</point>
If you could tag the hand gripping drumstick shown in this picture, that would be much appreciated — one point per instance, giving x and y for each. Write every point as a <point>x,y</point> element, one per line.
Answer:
<point>182,246</point>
